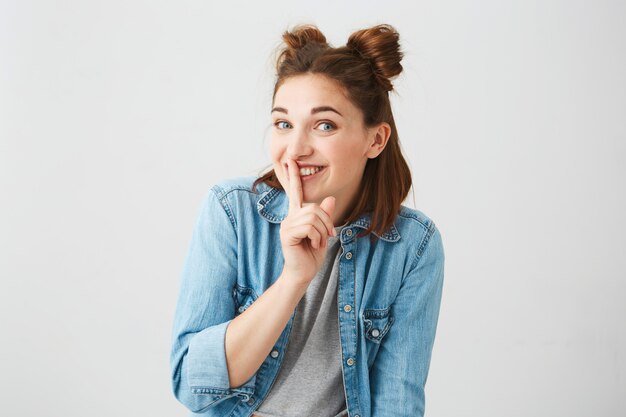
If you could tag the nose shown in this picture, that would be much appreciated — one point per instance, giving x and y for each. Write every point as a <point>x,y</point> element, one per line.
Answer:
<point>299,145</point>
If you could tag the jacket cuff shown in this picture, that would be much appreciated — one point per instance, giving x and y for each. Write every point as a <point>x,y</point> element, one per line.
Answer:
<point>206,364</point>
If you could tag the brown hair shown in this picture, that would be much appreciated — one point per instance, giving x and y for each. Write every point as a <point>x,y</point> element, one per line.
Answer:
<point>363,67</point>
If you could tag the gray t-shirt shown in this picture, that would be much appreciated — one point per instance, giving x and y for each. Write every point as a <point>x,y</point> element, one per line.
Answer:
<point>310,382</point>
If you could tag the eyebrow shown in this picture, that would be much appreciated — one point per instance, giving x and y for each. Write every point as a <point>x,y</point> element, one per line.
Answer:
<point>314,110</point>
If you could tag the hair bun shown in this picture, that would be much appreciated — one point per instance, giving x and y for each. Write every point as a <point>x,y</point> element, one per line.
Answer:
<point>380,45</point>
<point>301,37</point>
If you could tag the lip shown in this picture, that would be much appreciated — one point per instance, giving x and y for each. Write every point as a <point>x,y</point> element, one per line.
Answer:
<point>302,165</point>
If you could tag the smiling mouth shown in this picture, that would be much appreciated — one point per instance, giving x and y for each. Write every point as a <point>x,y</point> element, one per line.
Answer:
<point>306,177</point>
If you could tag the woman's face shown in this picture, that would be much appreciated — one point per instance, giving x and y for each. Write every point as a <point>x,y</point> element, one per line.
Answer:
<point>315,124</point>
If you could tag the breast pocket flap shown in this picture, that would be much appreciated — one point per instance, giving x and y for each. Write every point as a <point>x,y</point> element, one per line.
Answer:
<point>376,323</point>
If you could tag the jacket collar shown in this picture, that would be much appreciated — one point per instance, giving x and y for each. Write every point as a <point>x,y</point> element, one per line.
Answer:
<point>273,205</point>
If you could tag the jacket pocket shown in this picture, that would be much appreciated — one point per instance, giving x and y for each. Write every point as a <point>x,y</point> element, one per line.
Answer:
<point>376,323</point>
<point>244,297</point>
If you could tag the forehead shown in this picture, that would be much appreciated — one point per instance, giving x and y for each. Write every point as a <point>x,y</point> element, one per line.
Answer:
<point>302,92</point>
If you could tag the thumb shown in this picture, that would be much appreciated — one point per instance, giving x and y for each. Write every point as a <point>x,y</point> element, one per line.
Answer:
<point>328,205</point>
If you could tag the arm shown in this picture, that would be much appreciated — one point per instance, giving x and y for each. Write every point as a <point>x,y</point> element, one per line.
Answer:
<point>204,309</point>
<point>400,370</point>
<point>212,358</point>
<point>263,322</point>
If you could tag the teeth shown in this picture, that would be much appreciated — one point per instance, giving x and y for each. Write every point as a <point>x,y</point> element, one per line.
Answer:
<point>309,171</point>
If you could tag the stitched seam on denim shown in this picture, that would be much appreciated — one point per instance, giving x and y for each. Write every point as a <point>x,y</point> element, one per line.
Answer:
<point>266,198</point>
<point>212,404</point>
<point>378,313</point>
<point>224,194</point>
<point>354,372</point>
<point>221,196</point>
<point>409,215</point>
<point>239,188</point>
<point>383,328</point>
<point>246,291</point>
<point>221,391</point>
<point>423,245</point>
<point>391,236</point>
<point>381,314</point>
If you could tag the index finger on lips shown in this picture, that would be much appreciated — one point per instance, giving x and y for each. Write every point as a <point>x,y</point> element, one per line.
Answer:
<point>295,185</point>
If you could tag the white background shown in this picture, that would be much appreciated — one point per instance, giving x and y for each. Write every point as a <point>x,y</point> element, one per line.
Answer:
<point>117,116</point>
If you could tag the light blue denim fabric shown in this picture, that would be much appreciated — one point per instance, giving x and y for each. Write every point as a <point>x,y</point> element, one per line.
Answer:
<point>388,302</point>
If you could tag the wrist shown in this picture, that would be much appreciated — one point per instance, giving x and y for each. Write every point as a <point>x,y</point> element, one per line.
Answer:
<point>293,283</point>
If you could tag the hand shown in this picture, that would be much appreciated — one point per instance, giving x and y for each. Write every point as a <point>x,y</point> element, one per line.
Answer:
<point>305,230</point>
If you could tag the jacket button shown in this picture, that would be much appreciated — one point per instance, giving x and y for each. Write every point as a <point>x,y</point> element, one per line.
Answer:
<point>349,232</point>
<point>375,332</point>
<point>347,308</point>
<point>241,309</point>
<point>349,255</point>
<point>350,361</point>
<point>274,354</point>
<point>251,401</point>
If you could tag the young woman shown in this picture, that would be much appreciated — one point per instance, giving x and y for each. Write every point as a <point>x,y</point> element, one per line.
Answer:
<point>312,291</point>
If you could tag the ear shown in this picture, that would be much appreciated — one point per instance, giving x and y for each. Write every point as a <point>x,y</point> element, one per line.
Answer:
<point>378,136</point>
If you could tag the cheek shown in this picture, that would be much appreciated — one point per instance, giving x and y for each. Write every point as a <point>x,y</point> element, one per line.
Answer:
<point>274,155</point>
<point>276,149</point>
<point>345,161</point>
<point>343,155</point>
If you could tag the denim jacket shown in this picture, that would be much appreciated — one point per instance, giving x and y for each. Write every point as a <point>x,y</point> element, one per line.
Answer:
<point>389,293</point>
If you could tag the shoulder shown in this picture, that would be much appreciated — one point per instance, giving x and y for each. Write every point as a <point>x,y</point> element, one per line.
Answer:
<point>236,196</point>
<point>237,191</point>
<point>420,229</point>
<point>239,186</point>
<point>415,218</point>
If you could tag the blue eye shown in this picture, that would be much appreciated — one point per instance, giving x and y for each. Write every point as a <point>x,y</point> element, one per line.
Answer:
<point>278,125</point>
<point>329,124</point>
<point>278,122</point>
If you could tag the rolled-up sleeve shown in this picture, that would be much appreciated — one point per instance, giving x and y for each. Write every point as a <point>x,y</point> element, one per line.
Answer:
<point>204,309</point>
<point>398,375</point>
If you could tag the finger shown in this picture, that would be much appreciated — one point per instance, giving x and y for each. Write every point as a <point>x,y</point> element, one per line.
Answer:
<point>298,232</point>
<point>295,185</point>
<point>315,236</point>
<point>328,222</point>
<point>304,231</point>
<point>328,207</point>
<point>312,219</point>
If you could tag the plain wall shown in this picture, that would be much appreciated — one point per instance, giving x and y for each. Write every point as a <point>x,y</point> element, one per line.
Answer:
<point>117,116</point>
